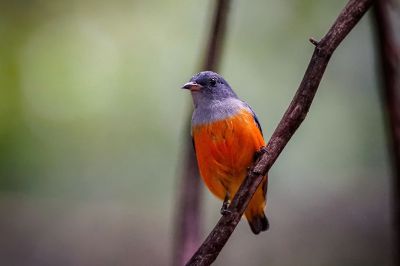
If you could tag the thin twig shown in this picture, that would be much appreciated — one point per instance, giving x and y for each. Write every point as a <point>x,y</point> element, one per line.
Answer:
<point>187,231</point>
<point>389,55</point>
<point>189,207</point>
<point>291,120</point>
<point>216,36</point>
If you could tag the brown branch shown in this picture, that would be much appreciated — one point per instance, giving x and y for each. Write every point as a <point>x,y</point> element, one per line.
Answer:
<point>389,56</point>
<point>291,120</point>
<point>216,36</point>
<point>188,214</point>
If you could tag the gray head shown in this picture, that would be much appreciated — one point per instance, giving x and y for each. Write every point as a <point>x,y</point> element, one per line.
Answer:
<point>208,86</point>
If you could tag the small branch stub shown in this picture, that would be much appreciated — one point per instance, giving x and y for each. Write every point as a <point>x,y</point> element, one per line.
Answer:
<point>313,41</point>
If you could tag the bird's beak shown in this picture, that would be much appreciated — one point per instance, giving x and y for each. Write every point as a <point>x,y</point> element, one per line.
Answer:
<point>192,86</point>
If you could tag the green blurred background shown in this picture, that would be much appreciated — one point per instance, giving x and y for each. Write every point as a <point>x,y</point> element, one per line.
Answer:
<point>91,127</point>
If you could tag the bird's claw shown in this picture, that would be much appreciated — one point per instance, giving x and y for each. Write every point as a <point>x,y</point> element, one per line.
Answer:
<point>260,152</point>
<point>225,209</point>
<point>225,206</point>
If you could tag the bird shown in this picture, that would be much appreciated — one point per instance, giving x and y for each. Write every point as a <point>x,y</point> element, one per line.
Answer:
<point>226,136</point>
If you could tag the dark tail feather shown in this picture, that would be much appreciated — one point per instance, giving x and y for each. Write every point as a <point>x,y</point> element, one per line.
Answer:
<point>259,223</point>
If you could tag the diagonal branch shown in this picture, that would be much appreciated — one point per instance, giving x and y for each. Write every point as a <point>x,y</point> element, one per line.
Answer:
<point>188,214</point>
<point>389,55</point>
<point>289,123</point>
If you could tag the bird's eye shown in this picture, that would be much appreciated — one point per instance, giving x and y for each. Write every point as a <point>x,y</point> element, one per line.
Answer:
<point>213,81</point>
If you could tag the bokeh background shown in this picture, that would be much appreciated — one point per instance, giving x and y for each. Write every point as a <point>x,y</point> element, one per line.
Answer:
<point>92,125</point>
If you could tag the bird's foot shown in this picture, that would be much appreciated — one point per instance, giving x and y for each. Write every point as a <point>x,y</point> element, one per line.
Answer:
<point>225,209</point>
<point>260,152</point>
<point>225,206</point>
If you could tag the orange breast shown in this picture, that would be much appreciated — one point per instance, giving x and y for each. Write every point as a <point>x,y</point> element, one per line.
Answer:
<point>225,149</point>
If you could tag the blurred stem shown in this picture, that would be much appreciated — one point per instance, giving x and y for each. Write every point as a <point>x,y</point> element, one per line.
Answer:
<point>389,57</point>
<point>188,215</point>
<point>188,206</point>
<point>291,120</point>
<point>216,36</point>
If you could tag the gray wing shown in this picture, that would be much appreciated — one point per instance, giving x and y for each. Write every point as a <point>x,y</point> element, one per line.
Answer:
<point>255,118</point>
<point>265,188</point>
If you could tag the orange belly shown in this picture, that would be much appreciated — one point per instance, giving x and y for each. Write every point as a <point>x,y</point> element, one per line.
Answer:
<point>224,150</point>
